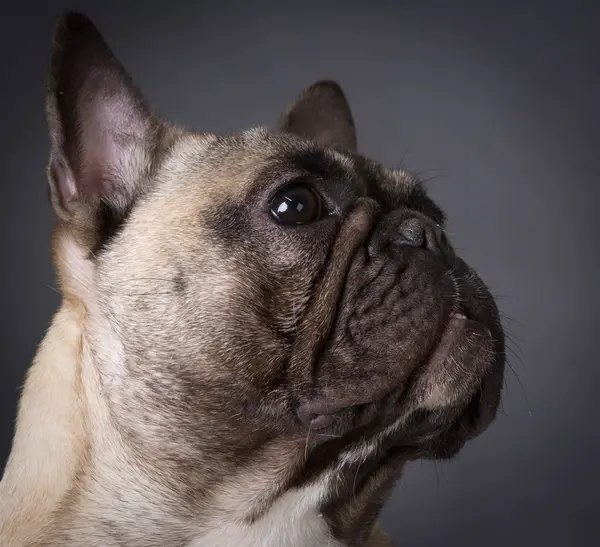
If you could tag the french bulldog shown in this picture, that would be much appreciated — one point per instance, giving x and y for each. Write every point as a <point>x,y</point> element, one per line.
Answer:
<point>257,330</point>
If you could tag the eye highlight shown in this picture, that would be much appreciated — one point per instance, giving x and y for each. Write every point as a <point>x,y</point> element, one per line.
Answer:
<point>295,205</point>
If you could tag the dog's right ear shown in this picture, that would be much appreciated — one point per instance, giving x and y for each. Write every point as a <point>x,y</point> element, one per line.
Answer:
<point>104,138</point>
<point>321,112</point>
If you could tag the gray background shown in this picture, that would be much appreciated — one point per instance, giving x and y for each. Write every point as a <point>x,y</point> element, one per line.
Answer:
<point>498,101</point>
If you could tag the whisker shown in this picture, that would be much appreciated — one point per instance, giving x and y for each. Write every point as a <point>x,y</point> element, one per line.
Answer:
<point>401,162</point>
<point>506,317</point>
<point>427,180</point>
<point>523,390</point>
<point>511,332</point>
<point>514,353</point>
<point>307,439</point>
<point>295,317</point>
<point>136,279</point>
<point>355,479</point>
<point>153,293</point>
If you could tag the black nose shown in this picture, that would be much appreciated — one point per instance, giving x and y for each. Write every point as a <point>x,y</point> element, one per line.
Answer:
<point>412,232</point>
<point>419,233</point>
<point>403,229</point>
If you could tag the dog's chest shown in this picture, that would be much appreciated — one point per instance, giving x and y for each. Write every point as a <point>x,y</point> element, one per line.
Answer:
<point>292,521</point>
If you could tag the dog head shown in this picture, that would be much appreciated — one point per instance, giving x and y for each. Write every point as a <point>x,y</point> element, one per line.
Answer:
<point>266,306</point>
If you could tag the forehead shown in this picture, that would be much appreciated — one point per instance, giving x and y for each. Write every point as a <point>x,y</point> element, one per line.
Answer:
<point>246,167</point>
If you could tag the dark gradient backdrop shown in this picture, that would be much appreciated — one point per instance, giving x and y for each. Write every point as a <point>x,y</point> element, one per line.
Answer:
<point>497,101</point>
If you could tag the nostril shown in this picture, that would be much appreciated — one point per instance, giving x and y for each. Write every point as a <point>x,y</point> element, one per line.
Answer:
<point>413,233</point>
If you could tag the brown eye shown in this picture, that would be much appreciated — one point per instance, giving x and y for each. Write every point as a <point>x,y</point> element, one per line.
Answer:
<point>295,205</point>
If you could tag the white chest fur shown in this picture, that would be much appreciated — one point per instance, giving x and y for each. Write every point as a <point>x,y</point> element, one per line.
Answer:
<point>292,521</point>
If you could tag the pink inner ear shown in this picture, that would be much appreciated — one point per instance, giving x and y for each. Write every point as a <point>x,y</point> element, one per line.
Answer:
<point>110,128</point>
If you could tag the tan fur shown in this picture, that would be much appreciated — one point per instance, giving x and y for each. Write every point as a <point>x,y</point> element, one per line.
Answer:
<point>50,441</point>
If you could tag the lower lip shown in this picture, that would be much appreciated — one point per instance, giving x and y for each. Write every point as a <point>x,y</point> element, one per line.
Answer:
<point>456,327</point>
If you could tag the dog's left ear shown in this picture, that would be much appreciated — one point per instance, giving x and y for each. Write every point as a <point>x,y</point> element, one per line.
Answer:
<point>104,137</point>
<point>321,113</point>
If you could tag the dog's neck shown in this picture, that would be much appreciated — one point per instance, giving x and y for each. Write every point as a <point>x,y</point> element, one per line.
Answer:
<point>57,480</point>
<point>50,439</point>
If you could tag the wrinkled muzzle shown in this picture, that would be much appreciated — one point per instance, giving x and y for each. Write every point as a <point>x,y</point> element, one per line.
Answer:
<point>398,324</point>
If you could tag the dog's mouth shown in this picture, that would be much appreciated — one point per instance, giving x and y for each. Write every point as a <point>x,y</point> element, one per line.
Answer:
<point>450,397</point>
<point>457,329</point>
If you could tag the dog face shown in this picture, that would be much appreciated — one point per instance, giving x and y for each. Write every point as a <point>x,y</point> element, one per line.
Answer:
<point>267,306</point>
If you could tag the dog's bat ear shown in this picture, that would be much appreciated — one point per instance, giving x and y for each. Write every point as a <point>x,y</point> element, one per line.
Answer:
<point>321,113</point>
<point>103,134</point>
